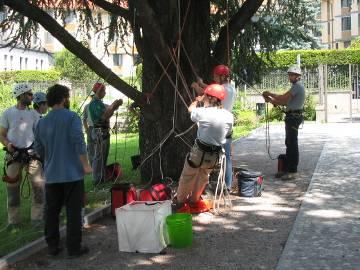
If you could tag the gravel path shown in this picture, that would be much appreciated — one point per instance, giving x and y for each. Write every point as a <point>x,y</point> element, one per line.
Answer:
<point>250,236</point>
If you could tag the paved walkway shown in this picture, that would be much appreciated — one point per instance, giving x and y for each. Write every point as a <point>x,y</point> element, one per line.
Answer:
<point>324,234</point>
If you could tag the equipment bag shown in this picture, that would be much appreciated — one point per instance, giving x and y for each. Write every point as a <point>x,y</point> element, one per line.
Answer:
<point>157,192</point>
<point>250,183</point>
<point>121,194</point>
<point>141,226</point>
<point>113,172</point>
<point>282,165</point>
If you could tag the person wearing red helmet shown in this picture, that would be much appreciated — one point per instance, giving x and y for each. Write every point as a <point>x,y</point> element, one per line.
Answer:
<point>221,75</point>
<point>214,124</point>
<point>100,116</point>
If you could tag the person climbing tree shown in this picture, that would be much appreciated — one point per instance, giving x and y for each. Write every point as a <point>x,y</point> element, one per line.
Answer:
<point>214,124</point>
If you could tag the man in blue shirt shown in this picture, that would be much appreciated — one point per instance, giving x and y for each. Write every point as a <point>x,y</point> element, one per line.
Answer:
<point>59,141</point>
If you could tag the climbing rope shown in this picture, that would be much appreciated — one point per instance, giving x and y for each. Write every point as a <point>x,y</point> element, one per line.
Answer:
<point>221,191</point>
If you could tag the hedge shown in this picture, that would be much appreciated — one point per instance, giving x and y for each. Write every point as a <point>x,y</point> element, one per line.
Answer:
<point>29,76</point>
<point>312,58</point>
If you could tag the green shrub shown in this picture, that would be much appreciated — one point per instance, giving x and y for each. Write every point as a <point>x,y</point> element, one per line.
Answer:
<point>312,58</point>
<point>6,99</point>
<point>131,116</point>
<point>309,108</point>
<point>245,118</point>
<point>29,76</point>
<point>277,113</point>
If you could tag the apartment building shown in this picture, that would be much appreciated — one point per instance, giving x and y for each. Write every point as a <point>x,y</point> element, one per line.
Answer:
<point>340,21</point>
<point>119,57</point>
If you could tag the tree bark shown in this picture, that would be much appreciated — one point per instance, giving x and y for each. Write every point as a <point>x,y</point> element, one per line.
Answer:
<point>168,160</point>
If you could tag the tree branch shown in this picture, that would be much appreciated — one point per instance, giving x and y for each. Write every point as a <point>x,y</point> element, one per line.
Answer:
<point>53,27</point>
<point>235,24</point>
<point>113,8</point>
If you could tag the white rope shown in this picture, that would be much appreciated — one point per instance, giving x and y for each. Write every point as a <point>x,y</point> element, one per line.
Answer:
<point>221,188</point>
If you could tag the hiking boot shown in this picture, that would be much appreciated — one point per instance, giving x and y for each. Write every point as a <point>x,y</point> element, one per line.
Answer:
<point>54,251</point>
<point>289,176</point>
<point>80,252</point>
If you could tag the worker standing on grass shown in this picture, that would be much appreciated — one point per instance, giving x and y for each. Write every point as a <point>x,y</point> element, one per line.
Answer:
<point>214,124</point>
<point>100,117</point>
<point>294,101</point>
<point>40,103</point>
<point>221,75</point>
<point>59,140</point>
<point>17,135</point>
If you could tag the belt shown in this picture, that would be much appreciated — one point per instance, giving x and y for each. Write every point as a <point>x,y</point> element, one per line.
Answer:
<point>295,111</point>
<point>208,147</point>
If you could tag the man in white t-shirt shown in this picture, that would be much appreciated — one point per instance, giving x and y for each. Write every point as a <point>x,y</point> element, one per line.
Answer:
<point>221,75</point>
<point>214,124</point>
<point>17,126</point>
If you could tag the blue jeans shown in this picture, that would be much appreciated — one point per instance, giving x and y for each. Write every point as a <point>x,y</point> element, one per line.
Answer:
<point>292,123</point>
<point>228,169</point>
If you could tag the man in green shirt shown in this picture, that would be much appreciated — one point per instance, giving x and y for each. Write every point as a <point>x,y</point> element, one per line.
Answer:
<point>100,115</point>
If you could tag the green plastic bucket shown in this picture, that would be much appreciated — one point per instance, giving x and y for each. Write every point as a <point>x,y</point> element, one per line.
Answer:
<point>179,227</point>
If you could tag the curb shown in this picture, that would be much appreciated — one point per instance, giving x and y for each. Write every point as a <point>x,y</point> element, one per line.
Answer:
<point>39,244</point>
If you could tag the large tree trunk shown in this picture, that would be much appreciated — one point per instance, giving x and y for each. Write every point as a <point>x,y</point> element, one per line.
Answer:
<point>168,160</point>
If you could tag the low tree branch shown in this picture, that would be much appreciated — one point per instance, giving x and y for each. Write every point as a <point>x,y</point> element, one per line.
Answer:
<point>53,27</point>
<point>235,24</point>
<point>113,8</point>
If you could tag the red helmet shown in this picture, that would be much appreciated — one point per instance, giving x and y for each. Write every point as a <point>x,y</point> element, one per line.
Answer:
<point>221,70</point>
<point>215,90</point>
<point>97,86</point>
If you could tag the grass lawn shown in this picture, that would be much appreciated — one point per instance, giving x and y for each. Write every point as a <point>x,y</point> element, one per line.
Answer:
<point>127,146</point>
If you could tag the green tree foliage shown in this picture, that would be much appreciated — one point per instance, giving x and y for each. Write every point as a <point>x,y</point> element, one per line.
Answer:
<point>72,68</point>
<point>286,24</point>
<point>355,43</point>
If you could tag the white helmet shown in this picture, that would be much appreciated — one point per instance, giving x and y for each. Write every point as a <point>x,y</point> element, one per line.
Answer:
<point>39,97</point>
<point>294,69</point>
<point>20,88</point>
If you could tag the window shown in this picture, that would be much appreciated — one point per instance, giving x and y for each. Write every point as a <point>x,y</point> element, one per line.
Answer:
<point>41,64</point>
<point>346,3</point>
<point>346,23</point>
<point>11,62</point>
<point>36,64</point>
<point>5,62</point>
<point>20,63</point>
<point>118,59</point>
<point>26,63</point>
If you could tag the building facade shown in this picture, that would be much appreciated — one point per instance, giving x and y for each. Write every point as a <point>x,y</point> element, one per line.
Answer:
<point>340,22</point>
<point>119,57</point>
